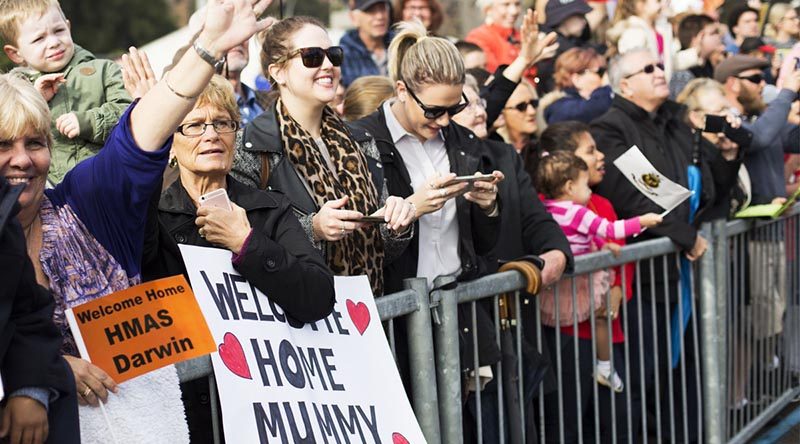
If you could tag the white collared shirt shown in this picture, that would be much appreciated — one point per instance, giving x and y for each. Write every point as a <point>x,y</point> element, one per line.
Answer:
<point>438,231</point>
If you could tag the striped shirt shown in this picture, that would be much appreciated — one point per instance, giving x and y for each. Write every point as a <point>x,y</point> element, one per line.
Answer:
<point>583,226</point>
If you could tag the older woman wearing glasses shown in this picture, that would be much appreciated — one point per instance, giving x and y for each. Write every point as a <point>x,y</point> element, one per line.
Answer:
<point>330,172</point>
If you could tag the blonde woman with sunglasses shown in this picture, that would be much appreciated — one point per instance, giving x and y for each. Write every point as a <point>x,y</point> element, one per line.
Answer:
<point>424,150</point>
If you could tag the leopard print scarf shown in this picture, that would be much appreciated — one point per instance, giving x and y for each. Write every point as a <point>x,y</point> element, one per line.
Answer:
<point>361,252</point>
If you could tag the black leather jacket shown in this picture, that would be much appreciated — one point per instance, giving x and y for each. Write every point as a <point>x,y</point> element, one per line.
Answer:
<point>479,232</point>
<point>279,260</point>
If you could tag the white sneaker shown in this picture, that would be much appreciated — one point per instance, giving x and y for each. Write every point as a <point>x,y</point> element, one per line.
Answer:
<point>604,376</point>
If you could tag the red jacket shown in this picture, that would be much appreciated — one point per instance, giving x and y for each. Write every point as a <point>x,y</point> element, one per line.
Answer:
<point>500,44</point>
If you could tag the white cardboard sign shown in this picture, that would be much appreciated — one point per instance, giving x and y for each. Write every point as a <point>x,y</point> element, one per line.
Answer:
<point>328,382</point>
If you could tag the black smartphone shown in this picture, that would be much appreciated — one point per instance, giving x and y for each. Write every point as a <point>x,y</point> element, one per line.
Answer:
<point>715,124</point>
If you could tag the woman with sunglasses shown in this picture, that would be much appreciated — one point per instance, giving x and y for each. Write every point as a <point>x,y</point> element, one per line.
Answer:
<point>423,150</point>
<point>519,116</point>
<point>331,173</point>
<point>582,91</point>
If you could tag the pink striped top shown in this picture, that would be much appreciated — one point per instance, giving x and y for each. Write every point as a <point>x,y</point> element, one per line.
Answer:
<point>583,226</point>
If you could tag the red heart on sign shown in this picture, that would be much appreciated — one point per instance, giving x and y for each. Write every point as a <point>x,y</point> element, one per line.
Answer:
<point>232,355</point>
<point>359,314</point>
<point>398,438</point>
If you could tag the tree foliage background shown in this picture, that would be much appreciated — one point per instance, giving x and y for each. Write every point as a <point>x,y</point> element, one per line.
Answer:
<point>108,27</point>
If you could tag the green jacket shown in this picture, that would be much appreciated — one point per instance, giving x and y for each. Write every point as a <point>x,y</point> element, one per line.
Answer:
<point>95,93</point>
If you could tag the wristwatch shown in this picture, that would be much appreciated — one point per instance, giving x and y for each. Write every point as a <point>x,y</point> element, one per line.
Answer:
<point>207,57</point>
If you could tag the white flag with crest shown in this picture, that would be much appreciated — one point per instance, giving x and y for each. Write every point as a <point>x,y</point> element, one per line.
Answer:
<point>649,181</point>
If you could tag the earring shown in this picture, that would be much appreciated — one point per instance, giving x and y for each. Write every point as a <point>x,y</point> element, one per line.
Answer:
<point>173,162</point>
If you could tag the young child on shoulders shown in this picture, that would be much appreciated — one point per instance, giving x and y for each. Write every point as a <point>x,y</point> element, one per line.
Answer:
<point>563,178</point>
<point>85,94</point>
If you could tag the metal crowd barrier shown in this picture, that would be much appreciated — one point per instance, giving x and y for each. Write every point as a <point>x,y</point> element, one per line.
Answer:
<point>735,366</point>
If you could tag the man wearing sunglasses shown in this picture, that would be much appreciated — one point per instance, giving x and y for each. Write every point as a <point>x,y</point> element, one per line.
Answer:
<point>365,46</point>
<point>641,114</point>
<point>743,80</point>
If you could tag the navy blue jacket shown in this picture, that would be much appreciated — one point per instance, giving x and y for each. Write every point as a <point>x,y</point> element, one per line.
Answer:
<point>357,58</point>
<point>574,107</point>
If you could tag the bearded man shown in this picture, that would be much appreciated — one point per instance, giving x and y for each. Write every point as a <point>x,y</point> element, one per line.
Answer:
<point>773,133</point>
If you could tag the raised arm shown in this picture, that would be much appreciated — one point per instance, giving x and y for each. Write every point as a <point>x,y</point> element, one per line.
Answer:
<point>228,23</point>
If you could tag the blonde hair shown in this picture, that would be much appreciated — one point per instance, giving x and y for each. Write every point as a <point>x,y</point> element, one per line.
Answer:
<point>696,90</point>
<point>219,93</point>
<point>23,111</point>
<point>14,12</point>
<point>776,14</point>
<point>419,60</point>
<point>365,95</point>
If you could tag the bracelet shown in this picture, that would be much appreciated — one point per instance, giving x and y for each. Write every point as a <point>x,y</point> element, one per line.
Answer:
<point>182,96</point>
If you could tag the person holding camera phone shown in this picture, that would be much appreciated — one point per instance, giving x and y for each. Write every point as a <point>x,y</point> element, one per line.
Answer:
<point>709,113</point>
<point>330,171</point>
<point>773,134</point>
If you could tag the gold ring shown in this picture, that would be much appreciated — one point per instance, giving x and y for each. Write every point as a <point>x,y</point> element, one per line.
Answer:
<point>86,392</point>
<point>201,232</point>
<point>442,193</point>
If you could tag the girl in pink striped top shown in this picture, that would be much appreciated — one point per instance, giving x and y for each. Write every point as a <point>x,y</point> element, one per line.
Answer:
<point>563,178</point>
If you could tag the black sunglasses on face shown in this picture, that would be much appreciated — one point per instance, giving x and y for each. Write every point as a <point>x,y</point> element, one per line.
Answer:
<point>599,71</point>
<point>434,112</point>
<point>314,57</point>
<point>755,78</point>
<point>523,106</point>
<point>648,69</point>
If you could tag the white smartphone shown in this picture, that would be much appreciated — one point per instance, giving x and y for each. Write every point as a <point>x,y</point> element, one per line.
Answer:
<point>217,199</point>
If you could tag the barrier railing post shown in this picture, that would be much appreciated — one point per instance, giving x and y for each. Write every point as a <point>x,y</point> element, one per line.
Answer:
<point>723,299</point>
<point>713,390</point>
<point>448,368</point>
<point>421,361</point>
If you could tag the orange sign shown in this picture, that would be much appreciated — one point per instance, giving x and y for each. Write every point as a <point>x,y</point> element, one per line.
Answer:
<point>142,328</point>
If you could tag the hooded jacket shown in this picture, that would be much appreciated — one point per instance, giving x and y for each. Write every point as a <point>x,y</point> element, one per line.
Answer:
<point>95,93</point>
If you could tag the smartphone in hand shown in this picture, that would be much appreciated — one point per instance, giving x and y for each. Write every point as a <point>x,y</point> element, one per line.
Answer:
<point>216,199</point>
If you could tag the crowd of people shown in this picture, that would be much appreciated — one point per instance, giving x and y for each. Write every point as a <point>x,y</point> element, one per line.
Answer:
<point>354,159</point>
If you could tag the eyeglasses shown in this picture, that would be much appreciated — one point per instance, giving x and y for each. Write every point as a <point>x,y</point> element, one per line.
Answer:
<point>755,78</point>
<point>199,128</point>
<point>315,56</point>
<point>480,103</point>
<point>434,112</point>
<point>523,106</point>
<point>648,69</point>
<point>599,71</point>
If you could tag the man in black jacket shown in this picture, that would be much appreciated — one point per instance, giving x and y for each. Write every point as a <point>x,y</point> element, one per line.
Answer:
<point>641,115</point>
<point>38,383</point>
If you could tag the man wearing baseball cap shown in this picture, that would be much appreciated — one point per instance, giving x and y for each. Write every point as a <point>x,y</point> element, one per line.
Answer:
<point>743,80</point>
<point>365,46</point>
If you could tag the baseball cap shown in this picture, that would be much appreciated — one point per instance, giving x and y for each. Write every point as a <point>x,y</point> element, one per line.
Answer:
<point>751,44</point>
<point>732,66</point>
<point>363,5</point>
<point>557,11</point>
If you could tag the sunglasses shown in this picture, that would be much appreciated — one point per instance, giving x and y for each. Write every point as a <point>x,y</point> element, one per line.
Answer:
<point>434,112</point>
<point>314,57</point>
<point>523,106</point>
<point>648,69</point>
<point>755,78</point>
<point>599,71</point>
